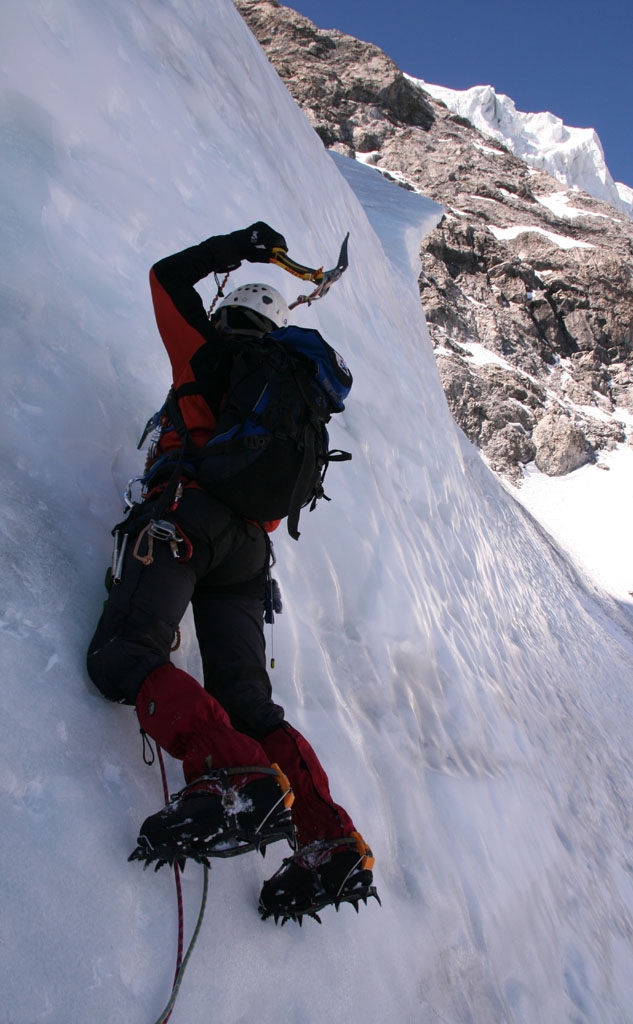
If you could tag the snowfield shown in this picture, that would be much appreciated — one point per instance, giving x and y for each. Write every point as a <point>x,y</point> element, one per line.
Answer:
<point>466,686</point>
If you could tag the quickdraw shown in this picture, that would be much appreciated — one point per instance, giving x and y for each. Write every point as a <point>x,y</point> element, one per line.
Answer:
<point>163,530</point>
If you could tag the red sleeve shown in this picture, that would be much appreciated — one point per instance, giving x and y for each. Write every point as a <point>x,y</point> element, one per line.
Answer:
<point>179,310</point>
<point>180,338</point>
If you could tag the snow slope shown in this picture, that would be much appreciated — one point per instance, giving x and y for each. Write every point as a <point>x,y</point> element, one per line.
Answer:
<point>467,691</point>
<point>572,155</point>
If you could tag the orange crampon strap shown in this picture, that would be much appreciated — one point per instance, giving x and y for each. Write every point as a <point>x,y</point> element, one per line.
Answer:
<point>286,788</point>
<point>364,851</point>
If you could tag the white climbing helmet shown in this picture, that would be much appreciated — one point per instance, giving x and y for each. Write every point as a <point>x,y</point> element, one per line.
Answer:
<point>260,298</point>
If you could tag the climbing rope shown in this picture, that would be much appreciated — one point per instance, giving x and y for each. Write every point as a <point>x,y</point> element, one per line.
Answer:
<point>163,775</point>
<point>181,962</point>
<point>180,970</point>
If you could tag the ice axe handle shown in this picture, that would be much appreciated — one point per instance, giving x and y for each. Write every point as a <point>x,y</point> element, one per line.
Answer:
<point>322,278</point>
<point>283,260</point>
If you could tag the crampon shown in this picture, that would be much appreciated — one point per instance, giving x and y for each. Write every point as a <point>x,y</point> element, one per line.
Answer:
<point>222,814</point>
<point>322,874</point>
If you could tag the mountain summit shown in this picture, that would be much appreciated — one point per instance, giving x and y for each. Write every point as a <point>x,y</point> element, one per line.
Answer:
<point>574,156</point>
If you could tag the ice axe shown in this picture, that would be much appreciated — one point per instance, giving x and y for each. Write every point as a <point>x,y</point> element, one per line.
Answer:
<point>323,279</point>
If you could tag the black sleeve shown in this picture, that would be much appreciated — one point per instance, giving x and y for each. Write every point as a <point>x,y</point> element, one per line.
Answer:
<point>175,276</point>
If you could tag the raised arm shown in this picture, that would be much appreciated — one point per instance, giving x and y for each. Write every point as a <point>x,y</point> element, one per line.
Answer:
<point>180,313</point>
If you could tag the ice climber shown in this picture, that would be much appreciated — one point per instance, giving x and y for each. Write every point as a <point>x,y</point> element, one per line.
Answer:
<point>243,763</point>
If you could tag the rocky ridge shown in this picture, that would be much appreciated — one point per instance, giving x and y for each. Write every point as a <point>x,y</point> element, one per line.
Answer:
<point>526,285</point>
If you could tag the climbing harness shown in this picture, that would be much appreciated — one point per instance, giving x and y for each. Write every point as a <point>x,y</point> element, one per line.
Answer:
<point>156,529</point>
<point>163,530</point>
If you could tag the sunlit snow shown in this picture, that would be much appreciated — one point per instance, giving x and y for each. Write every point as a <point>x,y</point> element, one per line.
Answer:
<point>572,155</point>
<point>562,241</point>
<point>468,689</point>
<point>587,511</point>
<point>558,204</point>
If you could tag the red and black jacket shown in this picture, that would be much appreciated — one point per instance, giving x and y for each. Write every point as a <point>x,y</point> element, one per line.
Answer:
<point>198,353</point>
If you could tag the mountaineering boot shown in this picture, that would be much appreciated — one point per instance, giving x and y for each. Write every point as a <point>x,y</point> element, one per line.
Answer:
<point>331,871</point>
<point>225,812</point>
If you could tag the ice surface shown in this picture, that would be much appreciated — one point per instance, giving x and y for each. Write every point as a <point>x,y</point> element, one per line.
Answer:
<point>467,689</point>
<point>593,502</point>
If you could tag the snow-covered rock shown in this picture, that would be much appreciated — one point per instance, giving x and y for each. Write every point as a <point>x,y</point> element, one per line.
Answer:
<point>573,156</point>
<point>538,275</point>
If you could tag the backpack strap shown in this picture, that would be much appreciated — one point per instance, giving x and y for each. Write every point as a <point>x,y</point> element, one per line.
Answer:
<point>305,477</point>
<point>172,409</point>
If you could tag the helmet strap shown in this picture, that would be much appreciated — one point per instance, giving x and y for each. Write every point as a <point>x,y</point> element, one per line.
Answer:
<point>259,332</point>
<point>262,323</point>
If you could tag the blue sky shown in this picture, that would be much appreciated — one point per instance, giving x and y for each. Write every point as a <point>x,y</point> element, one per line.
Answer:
<point>571,57</point>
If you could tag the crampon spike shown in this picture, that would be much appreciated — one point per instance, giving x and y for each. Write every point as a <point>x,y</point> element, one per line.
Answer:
<point>302,886</point>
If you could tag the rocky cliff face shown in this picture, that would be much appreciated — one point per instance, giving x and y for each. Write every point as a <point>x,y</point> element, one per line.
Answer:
<point>526,286</point>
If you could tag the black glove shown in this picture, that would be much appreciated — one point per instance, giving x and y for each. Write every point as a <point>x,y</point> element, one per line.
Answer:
<point>256,243</point>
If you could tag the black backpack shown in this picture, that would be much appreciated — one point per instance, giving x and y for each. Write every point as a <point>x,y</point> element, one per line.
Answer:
<point>269,451</point>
